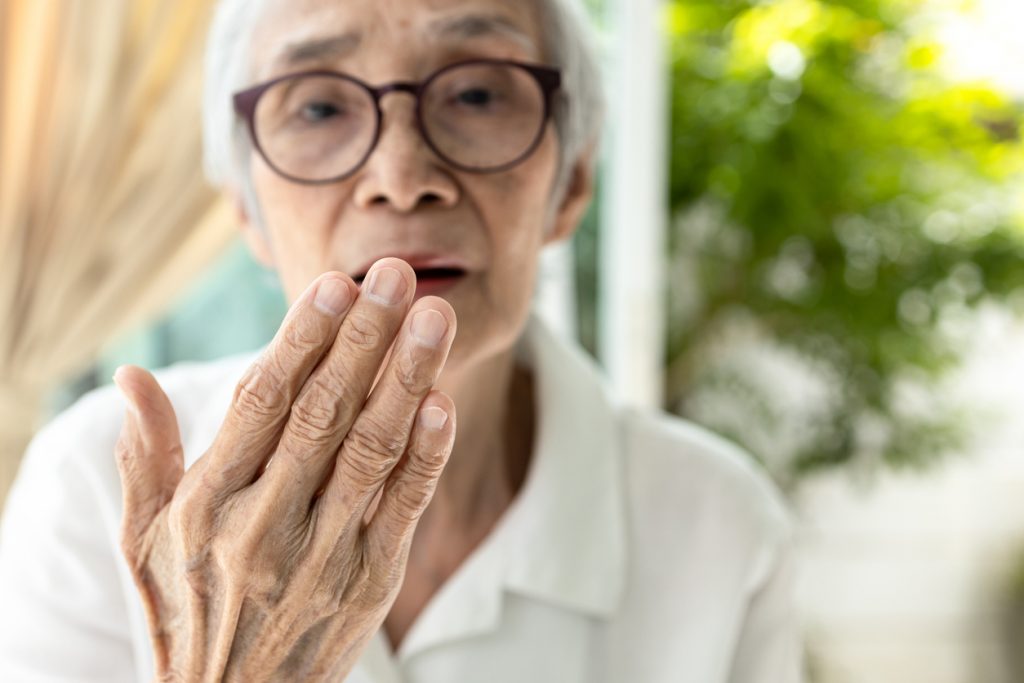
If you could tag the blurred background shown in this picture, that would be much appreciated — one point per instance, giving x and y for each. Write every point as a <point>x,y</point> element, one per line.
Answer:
<point>809,236</point>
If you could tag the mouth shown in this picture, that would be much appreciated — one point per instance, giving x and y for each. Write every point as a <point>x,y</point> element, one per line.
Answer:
<point>431,280</point>
<point>428,274</point>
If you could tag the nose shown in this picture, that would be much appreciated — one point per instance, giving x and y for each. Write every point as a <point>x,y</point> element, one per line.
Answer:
<point>403,173</point>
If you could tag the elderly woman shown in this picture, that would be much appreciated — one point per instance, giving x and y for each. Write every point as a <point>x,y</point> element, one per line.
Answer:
<point>312,513</point>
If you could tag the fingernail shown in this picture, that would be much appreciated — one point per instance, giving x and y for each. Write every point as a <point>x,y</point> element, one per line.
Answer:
<point>386,285</point>
<point>433,418</point>
<point>429,327</point>
<point>332,296</point>
<point>118,374</point>
<point>127,396</point>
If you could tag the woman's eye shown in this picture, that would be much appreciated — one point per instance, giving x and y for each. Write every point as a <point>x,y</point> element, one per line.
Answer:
<point>318,111</point>
<point>476,97</point>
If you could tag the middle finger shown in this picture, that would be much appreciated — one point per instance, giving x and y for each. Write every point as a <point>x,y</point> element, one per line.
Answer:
<point>335,392</point>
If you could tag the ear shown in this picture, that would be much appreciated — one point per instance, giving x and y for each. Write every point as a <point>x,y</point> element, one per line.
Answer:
<point>578,193</point>
<point>255,236</point>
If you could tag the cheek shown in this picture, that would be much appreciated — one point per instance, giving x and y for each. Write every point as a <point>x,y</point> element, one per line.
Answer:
<point>516,206</point>
<point>521,198</point>
<point>285,203</point>
<point>515,216</point>
<point>297,219</point>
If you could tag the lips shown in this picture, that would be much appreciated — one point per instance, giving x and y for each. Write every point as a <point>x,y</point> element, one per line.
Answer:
<point>437,283</point>
<point>428,268</point>
<point>427,274</point>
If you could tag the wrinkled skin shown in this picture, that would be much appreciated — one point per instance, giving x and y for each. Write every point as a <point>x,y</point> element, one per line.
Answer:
<point>252,571</point>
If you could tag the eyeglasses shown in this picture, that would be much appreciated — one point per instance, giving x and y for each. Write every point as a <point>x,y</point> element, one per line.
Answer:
<point>480,116</point>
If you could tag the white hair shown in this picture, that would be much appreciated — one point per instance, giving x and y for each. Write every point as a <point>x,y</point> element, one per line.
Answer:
<point>567,45</point>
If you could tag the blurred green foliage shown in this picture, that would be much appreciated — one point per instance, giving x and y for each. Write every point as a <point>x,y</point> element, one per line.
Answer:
<point>833,191</point>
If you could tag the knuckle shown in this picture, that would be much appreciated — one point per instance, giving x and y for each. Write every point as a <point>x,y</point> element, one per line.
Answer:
<point>362,332</point>
<point>410,500</point>
<point>424,467</point>
<point>372,450</point>
<point>315,416</point>
<point>191,513</point>
<point>300,339</point>
<point>366,469</point>
<point>412,375</point>
<point>303,442</point>
<point>261,392</point>
<point>374,437</point>
<point>169,452</point>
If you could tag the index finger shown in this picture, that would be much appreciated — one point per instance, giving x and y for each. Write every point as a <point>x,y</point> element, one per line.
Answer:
<point>263,397</point>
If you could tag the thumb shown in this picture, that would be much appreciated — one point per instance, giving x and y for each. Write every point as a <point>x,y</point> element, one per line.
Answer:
<point>149,455</point>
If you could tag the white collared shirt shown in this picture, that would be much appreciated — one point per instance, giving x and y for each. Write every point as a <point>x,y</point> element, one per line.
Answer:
<point>640,549</point>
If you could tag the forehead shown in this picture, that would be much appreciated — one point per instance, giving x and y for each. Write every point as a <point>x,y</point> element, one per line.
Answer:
<point>292,31</point>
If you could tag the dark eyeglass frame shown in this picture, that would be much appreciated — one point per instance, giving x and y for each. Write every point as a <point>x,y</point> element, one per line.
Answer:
<point>548,79</point>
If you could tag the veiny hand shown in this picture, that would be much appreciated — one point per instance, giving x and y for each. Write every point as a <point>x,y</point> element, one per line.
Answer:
<point>266,560</point>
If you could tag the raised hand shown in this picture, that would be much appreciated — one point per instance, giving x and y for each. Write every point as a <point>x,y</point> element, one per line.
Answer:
<point>278,554</point>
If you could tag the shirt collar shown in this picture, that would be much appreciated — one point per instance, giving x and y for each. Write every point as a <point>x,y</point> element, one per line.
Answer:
<point>563,539</point>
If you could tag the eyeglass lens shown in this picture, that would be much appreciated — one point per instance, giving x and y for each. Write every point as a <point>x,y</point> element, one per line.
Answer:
<point>477,116</point>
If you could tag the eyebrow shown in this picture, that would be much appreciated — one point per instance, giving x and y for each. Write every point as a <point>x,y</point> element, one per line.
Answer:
<point>477,25</point>
<point>463,27</point>
<point>330,47</point>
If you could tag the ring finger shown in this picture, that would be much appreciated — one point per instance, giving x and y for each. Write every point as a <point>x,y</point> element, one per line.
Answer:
<point>380,434</point>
